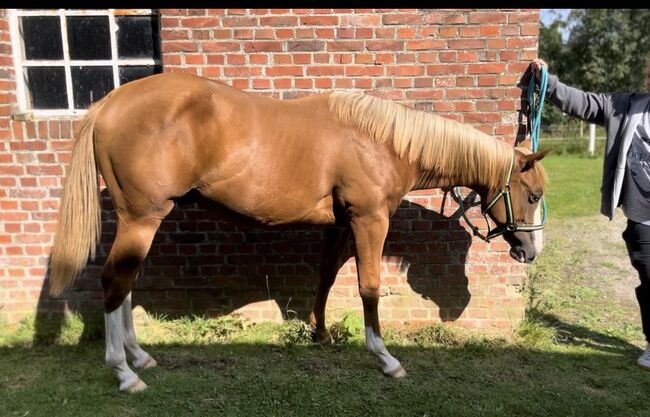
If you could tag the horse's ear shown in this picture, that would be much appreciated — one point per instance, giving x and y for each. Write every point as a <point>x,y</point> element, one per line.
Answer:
<point>526,143</point>
<point>528,161</point>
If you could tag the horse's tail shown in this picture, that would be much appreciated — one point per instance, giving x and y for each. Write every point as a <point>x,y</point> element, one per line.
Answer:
<point>80,224</point>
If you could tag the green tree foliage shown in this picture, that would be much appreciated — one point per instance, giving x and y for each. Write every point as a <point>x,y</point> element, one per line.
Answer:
<point>607,49</point>
<point>553,50</point>
<point>551,47</point>
<point>606,52</point>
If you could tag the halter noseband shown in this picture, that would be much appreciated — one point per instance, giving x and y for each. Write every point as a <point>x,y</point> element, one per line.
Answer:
<point>511,225</point>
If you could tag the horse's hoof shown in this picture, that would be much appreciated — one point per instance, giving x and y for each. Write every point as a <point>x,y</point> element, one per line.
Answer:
<point>323,338</point>
<point>149,363</point>
<point>137,386</point>
<point>398,372</point>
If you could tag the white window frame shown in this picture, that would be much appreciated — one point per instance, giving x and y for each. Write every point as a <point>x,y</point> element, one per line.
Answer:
<point>20,63</point>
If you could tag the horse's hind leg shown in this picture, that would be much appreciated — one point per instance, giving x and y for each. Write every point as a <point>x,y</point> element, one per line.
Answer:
<point>131,245</point>
<point>331,261</point>
<point>369,234</point>
<point>141,359</point>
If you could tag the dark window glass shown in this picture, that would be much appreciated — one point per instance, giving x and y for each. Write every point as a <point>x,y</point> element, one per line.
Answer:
<point>137,37</point>
<point>46,87</point>
<point>90,84</point>
<point>130,73</point>
<point>42,37</point>
<point>89,37</point>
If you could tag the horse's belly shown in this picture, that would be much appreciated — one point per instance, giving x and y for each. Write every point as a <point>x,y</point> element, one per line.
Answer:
<point>273,208</point>
<point>321,213</point>
<point>293,211</point>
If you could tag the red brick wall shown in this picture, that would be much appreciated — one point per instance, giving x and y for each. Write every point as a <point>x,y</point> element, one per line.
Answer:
<point>463,64</point>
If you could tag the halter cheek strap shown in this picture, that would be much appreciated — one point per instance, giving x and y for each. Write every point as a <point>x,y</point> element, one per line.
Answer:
<point>511,225</point>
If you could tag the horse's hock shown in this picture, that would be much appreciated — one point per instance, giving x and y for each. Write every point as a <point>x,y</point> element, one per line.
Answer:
<point>460,64</point>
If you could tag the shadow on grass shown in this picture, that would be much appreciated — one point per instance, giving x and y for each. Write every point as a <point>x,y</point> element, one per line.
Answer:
<point>243,379</point>
<point>575,335</point>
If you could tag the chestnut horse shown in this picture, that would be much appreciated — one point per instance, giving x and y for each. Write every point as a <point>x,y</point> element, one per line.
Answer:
<point>339,159</point>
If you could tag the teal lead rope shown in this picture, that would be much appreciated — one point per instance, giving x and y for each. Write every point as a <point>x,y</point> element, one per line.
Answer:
<point>536,116</point>
<point>536,108</point>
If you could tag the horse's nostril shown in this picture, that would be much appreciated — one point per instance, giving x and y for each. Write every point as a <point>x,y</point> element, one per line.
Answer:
<point>518,254</point>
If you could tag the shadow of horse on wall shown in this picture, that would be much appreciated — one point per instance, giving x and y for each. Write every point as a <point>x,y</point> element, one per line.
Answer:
<point>206,260</point>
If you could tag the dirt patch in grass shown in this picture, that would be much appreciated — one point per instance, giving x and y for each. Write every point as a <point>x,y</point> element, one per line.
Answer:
<point>584,276</point>
<point>184,362</point>
<point>314,364</point>
<point>597,255</point>
<point>614,260</point>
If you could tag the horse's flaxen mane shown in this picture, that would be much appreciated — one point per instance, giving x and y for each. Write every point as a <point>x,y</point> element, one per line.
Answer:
<point>444,147</point>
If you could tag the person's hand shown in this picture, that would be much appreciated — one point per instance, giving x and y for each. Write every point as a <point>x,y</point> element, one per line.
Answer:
<point>536,67</point>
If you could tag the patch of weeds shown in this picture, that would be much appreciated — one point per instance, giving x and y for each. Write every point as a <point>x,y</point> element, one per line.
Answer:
<point>94,328</point>
<point>5,333</point>
<point>348,328</point>
<point>151,328</point>
<point>295,332</point>
<point>73,329</point>
<point>481,344</point>
<point>264,332</point>
<point>395,336</point>
<point>535,330</point>
<point>211,329</point>
<point>436,334</point>
<point>192,329</point>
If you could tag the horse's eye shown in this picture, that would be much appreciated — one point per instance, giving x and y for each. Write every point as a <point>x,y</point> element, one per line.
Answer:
<point>534,198</point>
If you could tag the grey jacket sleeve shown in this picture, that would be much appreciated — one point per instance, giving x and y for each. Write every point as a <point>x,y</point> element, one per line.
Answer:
<point>590,107</point>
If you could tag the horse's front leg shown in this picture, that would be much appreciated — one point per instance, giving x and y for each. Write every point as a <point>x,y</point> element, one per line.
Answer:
<point>331,261</point>
<point>369,235</point>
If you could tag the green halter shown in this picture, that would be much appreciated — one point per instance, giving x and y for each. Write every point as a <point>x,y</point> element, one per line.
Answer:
<point>510,225</point>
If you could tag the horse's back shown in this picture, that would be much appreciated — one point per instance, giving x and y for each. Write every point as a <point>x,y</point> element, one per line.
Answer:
<point>275,160</point>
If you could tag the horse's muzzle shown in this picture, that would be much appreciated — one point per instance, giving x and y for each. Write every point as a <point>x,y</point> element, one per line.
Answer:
<point>519,254</point>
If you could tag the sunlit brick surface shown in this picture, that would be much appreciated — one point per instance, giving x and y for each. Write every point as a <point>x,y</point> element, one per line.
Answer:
<point>464,65</point>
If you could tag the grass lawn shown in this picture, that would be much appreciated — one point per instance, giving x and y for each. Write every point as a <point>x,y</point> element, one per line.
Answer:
<point>255,373</point>
<point>574,355</point>
<point>574,185</point>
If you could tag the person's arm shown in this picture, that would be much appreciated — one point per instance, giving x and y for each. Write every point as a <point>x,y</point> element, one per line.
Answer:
<point>590,107</point>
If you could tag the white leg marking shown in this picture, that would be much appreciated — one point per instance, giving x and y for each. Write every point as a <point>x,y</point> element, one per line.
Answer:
<point>141,359</point>
<point>389,365</point>
<point>115,355</point>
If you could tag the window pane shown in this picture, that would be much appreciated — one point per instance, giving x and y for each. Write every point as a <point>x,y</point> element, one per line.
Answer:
<point>89,37</point>
<point>46,87</point>
<point>137,37</point>
<point>131,73</point>
<point>90,84</point>
<point>42,37</point>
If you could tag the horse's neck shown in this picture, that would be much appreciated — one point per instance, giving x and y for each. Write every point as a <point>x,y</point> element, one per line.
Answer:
<point>427,179</point>
<point>479,169</point>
